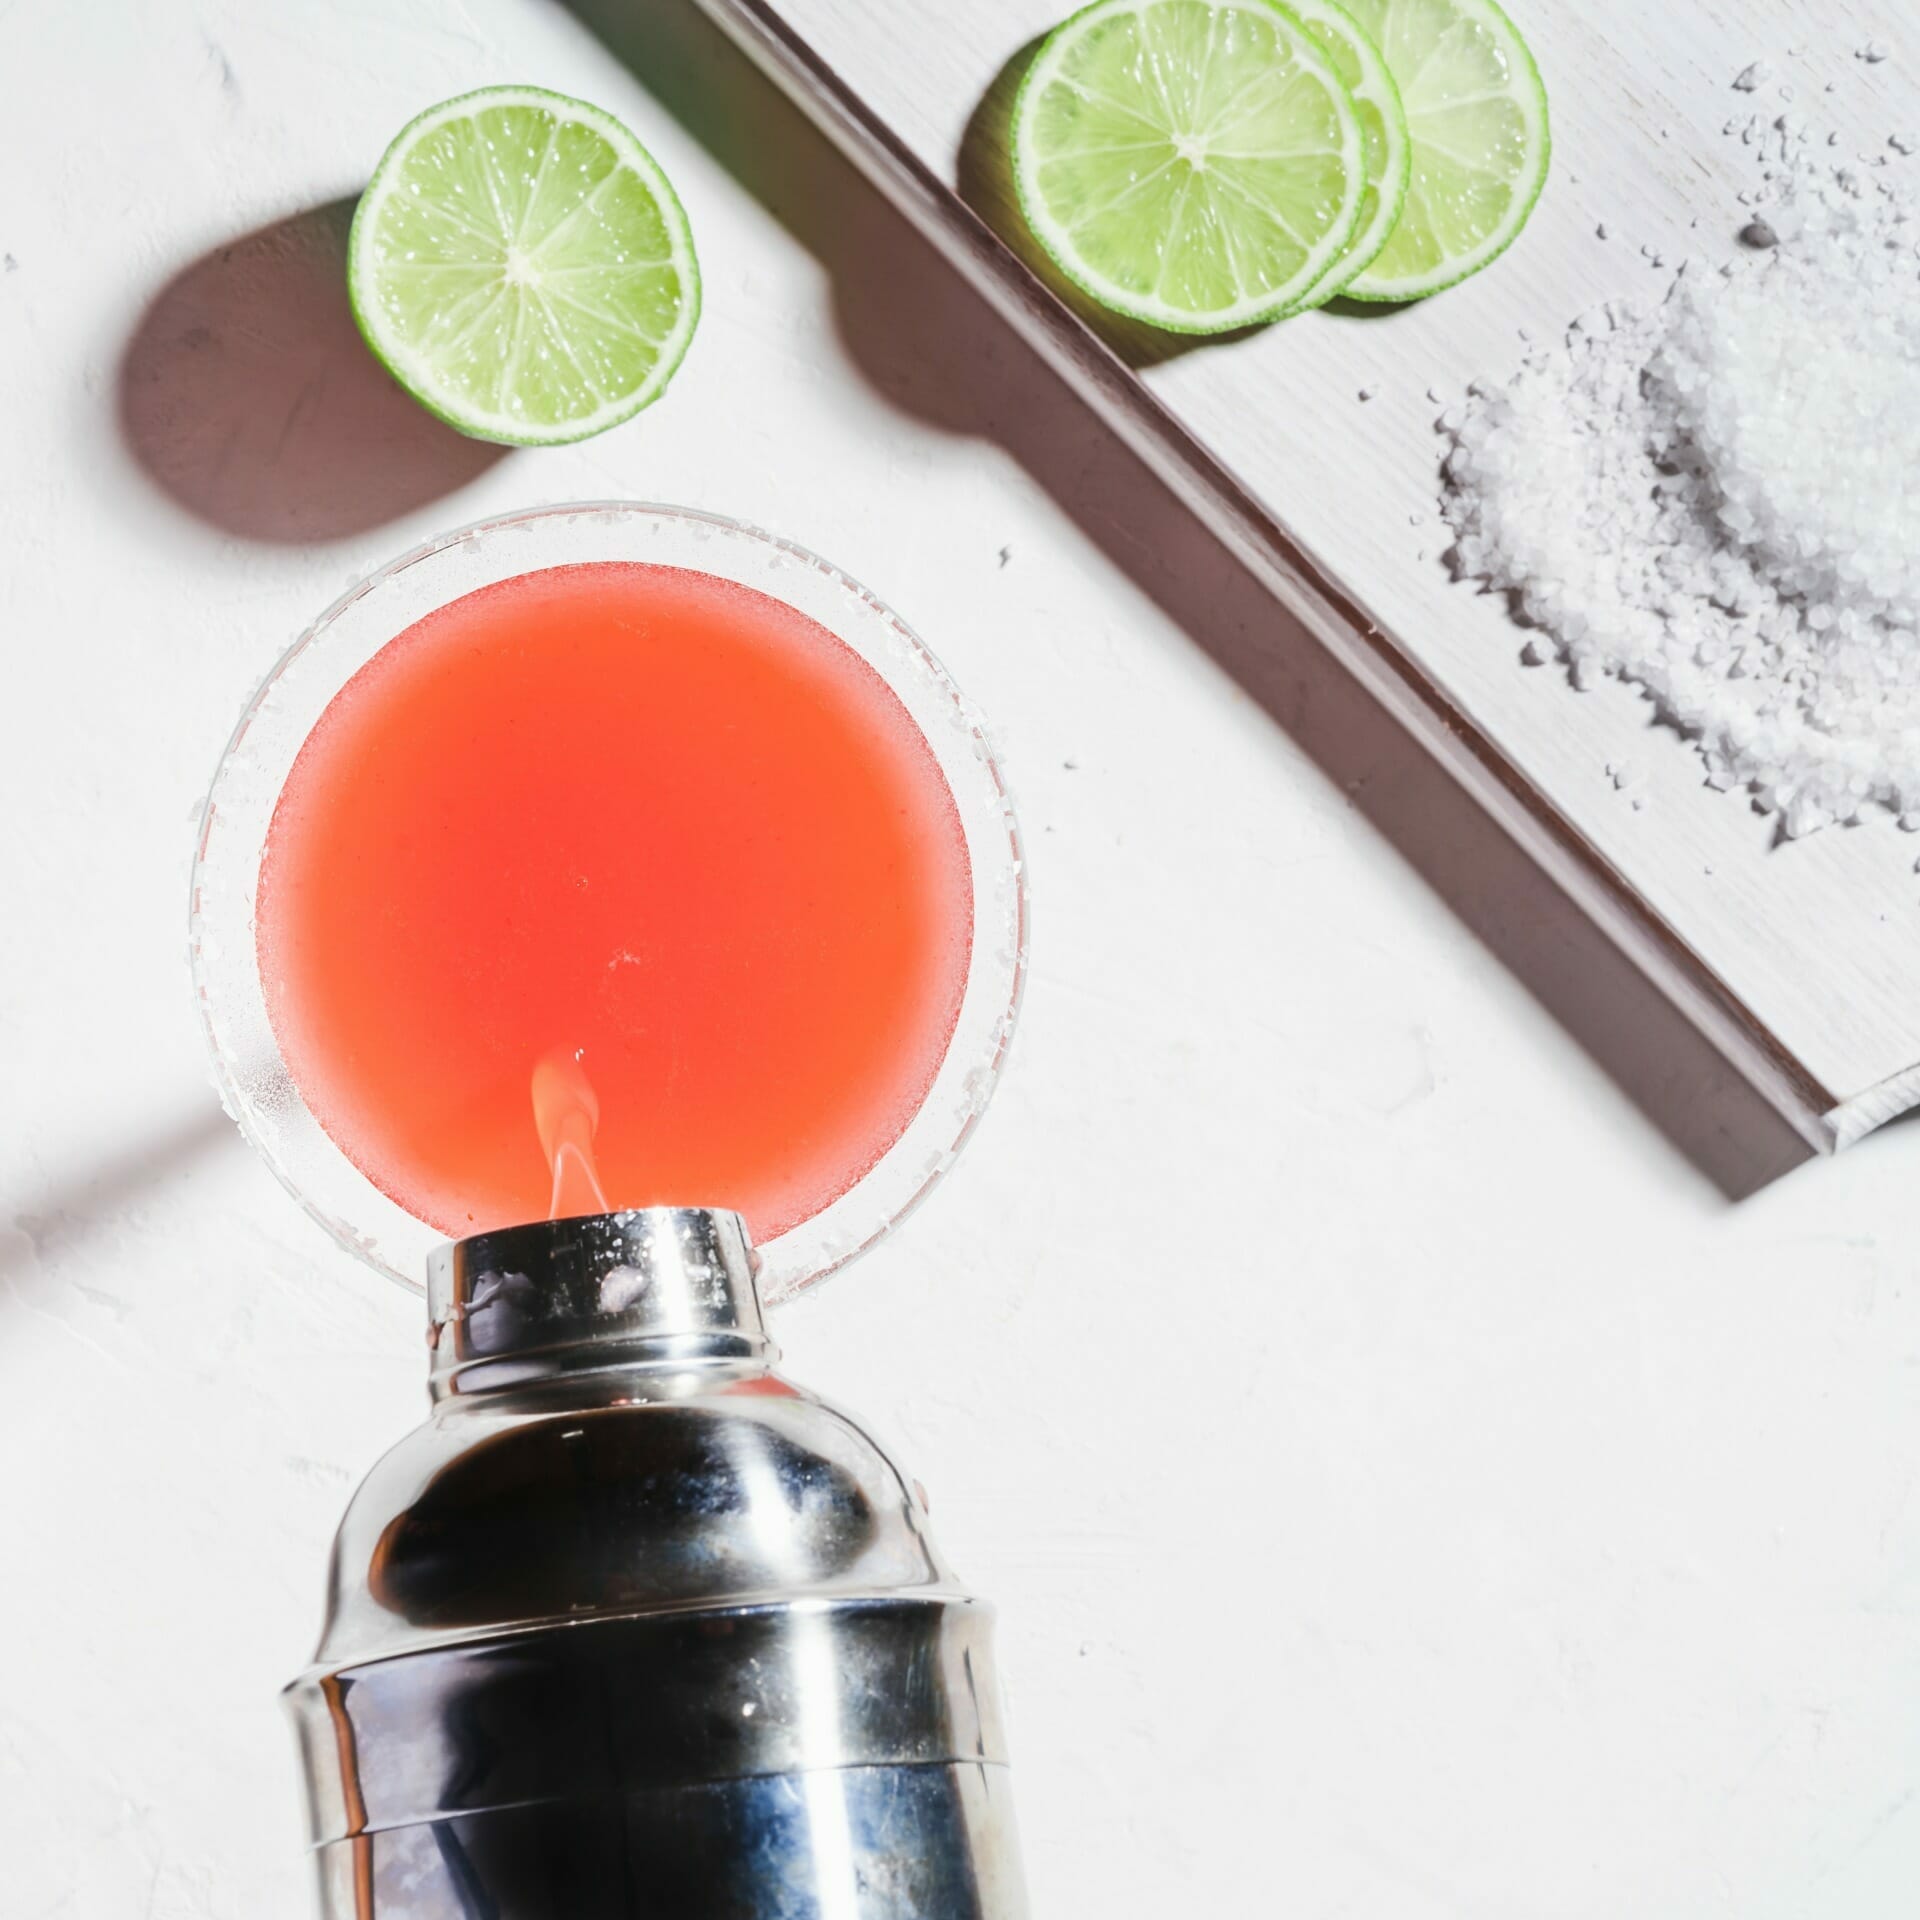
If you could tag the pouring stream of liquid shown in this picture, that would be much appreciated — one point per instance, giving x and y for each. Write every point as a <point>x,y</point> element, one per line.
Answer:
<point>567,1114</point>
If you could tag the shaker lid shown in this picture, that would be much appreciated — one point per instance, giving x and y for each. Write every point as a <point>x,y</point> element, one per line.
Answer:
<point>555,1296</point>
<point>611,1442</point>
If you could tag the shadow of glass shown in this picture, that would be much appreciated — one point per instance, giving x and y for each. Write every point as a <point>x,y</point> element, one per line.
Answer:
<point>933,346</point>
<point>247,395</point>
<point>92,1197</point>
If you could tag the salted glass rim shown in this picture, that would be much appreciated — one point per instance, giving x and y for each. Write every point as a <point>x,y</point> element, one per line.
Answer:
<point>254,1083</point>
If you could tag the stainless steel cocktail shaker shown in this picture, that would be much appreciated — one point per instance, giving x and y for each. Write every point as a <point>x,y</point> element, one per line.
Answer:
<point>634,1627</point>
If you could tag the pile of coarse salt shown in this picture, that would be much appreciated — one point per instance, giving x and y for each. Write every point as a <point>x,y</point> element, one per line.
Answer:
<point>1714,499</point>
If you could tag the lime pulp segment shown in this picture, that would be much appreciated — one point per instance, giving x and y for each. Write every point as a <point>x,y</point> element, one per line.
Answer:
<point>520,264</point>
<point>1195,164</point>
<point>1383,127</point>
<point>1477,118</point>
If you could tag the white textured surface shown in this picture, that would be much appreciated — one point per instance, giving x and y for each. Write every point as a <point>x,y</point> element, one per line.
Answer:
<point>1463,1512</point>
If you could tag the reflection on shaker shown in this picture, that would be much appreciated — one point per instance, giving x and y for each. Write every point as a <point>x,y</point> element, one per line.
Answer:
<point>634,1627</point>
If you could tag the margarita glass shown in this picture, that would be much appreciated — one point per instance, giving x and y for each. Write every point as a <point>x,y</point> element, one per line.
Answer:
<point>274,1089</point>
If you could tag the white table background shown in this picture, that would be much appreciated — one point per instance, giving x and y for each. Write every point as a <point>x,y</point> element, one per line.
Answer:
<point>1414,1489</point>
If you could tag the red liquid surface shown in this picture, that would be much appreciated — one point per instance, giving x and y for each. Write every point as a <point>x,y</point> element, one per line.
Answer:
<point>637,816</point>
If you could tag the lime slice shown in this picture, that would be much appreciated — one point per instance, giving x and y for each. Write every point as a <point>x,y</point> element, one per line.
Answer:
<point>1477,114</point>
<point>1196,164</point>
<point>1382,124</point>
<point>522,267</point>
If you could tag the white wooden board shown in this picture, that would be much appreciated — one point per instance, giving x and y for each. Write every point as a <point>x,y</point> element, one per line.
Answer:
<point>1801,960</point>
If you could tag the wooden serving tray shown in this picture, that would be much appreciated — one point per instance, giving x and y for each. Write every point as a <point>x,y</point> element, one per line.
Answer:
<point>1800,961</point>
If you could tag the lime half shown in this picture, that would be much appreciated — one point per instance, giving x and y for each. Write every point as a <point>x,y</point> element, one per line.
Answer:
<point>1389,152</point>
<point>1196,164</point>
<point>522,267</point>
<point>1477,115</point>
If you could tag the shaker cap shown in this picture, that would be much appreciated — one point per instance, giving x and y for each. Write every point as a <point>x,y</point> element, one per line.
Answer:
<point>526,1302</point>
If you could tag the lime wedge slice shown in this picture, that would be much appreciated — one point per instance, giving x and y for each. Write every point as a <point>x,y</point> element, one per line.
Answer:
<point>1383,126</point>
<point>1477,114</point>
<point>1196,164</point>
<point>522,268</point>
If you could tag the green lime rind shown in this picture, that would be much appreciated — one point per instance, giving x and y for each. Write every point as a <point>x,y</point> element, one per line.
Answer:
<point>1383,121</point>
<point>1247,232</point>
<point>1445,234</point>
<point>523,268</point>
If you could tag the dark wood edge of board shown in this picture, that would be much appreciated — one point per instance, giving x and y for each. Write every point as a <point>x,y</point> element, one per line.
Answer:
<point>1236,517</point>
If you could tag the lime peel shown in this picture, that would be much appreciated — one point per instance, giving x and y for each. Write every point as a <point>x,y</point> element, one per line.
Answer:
<point>1476,112</point>
<point>522,266</point>
<point>1198,165</point>
<point>1389,151</point>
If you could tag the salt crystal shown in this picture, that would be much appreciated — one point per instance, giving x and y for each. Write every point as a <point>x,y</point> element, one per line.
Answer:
<point>1873,52</point>
<point>1710,501</point>
<point>1752,78</point>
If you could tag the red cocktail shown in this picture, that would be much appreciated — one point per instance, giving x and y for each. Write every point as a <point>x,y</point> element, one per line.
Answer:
<point>666,803</point>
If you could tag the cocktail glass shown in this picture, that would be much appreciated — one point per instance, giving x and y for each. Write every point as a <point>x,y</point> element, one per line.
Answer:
<point>254,1081</point>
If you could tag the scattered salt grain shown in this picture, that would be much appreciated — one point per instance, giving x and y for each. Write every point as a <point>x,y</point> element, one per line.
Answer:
<point>1751,79</point>
<point>1901,142</point>
<point>1714,501</point>
<point>1367,393</point>
<point>1873,52</point>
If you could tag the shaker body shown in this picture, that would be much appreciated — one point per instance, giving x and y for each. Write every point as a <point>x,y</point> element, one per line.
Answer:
<point>634,1629</point>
